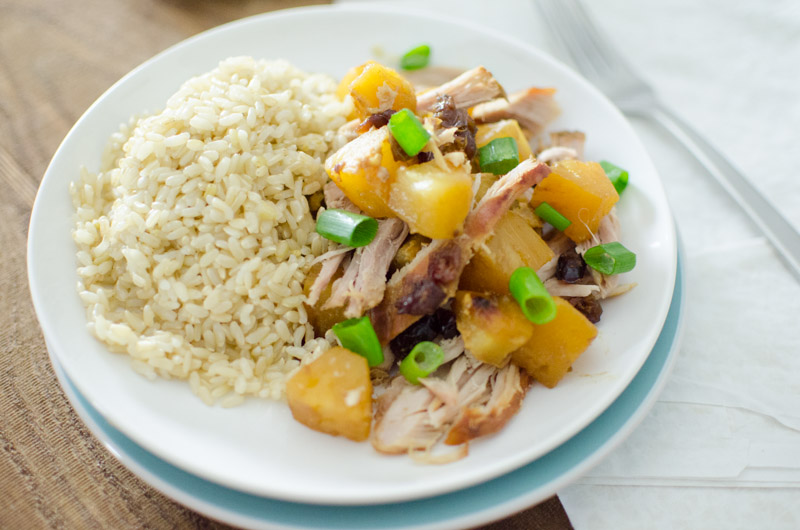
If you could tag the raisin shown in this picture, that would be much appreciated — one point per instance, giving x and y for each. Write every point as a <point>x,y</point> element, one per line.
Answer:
<point>570,267</point>
<point>426,328</point>
<point>446,321</point>
<point>440,324</point>
<point>588,305</point>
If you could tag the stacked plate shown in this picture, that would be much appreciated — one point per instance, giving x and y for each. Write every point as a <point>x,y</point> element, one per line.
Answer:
<point>253,465</point>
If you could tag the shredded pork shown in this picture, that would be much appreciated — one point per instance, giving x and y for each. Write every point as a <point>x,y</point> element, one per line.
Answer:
<point>533,108</point>
<point>469,89</point>
<point>362,285</point>
<point>474,399</point>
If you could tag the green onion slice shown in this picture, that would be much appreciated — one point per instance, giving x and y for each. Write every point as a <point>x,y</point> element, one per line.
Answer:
<point>416,58</point>
<point>536,303</point>
<point>422,361</point>
<point>499,156</point>
<point>408,131</point>
<point>617,175</point>
<point>552,216</point>
<point>358,336</point>
<point>347,228</point>
<point>610,258</point>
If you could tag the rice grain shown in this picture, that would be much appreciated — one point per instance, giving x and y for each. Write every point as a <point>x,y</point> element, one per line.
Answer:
<point>195,236</point>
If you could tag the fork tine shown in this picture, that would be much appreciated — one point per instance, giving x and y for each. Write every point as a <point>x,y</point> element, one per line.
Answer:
<point>600,41</point>
<point>580,37</point>
<point>556,16</point>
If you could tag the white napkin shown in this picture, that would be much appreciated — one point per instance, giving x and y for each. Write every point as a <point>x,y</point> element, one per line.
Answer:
<point>721,448</point>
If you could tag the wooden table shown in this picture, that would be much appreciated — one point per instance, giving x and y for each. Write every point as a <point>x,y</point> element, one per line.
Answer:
<point>56,57</point>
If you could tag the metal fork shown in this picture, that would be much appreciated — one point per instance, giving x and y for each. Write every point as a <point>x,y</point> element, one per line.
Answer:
<point>603,65</point>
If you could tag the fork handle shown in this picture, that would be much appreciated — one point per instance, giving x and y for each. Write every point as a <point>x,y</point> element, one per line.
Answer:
<point>777,228</point>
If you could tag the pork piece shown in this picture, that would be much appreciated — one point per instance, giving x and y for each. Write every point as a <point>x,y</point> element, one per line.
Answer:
<point>548,270</point>
<point>403,418</point>
<point>560,243</point>
<point>474,399</point>
<point>607,232</point>
<point>431,76</point>
<point>574,140</point>
<point>334,199</point>
<point>432,277</point>
<point>554,154</point>
<point>451,348</point>
<point>556,287</point>
<point>564,145</point>
<point>533,108</point>
<point>329,267</point>
<point>508,388</point>
<point>469,89</point>
<point>362,285</point>
<point>346,134</point>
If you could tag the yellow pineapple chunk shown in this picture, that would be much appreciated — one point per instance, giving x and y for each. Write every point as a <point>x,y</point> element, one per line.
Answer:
<point>502,129</point>
<point>554,347</point>
<point>333,394</point>
<point>343,90</point>
<point>581,192</point>
<point>514,244</point>
<point>364,170</point>
<point>344,85</point>
<point>433,201</point>
<point>409,250</point>
<point>378,88</point>
<point>492,325</point>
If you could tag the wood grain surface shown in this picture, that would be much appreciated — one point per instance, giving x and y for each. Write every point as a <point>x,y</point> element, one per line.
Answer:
<point>56,58</point>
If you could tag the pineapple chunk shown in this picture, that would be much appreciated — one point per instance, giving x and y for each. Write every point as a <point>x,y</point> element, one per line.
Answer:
<point>433,201</point>
<point>378,88</point>
<point>492,326</point>
<point>554,346</point>
<point>514,244</point>
<point>502,129</point>
<point>364,169</point>
<point>581,192</point>
<point>343,90</point>
<point>409,250</point>
<point>333,394</point>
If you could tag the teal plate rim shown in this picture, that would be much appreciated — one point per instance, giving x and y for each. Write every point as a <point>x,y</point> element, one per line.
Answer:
<point>468,507</point>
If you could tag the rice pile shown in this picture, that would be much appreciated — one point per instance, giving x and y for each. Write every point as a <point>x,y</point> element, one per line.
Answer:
<point>195,237</point>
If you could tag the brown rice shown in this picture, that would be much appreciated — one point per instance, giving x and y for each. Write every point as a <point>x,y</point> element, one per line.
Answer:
<point>195,236</point>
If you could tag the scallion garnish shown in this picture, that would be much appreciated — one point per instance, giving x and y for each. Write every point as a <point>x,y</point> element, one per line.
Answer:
<point>408,131</point>
<point>416,58</point>
<point>422,361</point>
<point>358,336</point>
<point>499,156</point>
<point>347,228</point>
<point>617,175</point>
<point>610,258</point>
<point>536,303</point>
<point>552,216</point>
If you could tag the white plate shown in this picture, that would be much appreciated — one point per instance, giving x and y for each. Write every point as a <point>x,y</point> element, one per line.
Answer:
<point>257,448</point>
<point>469,507</point>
